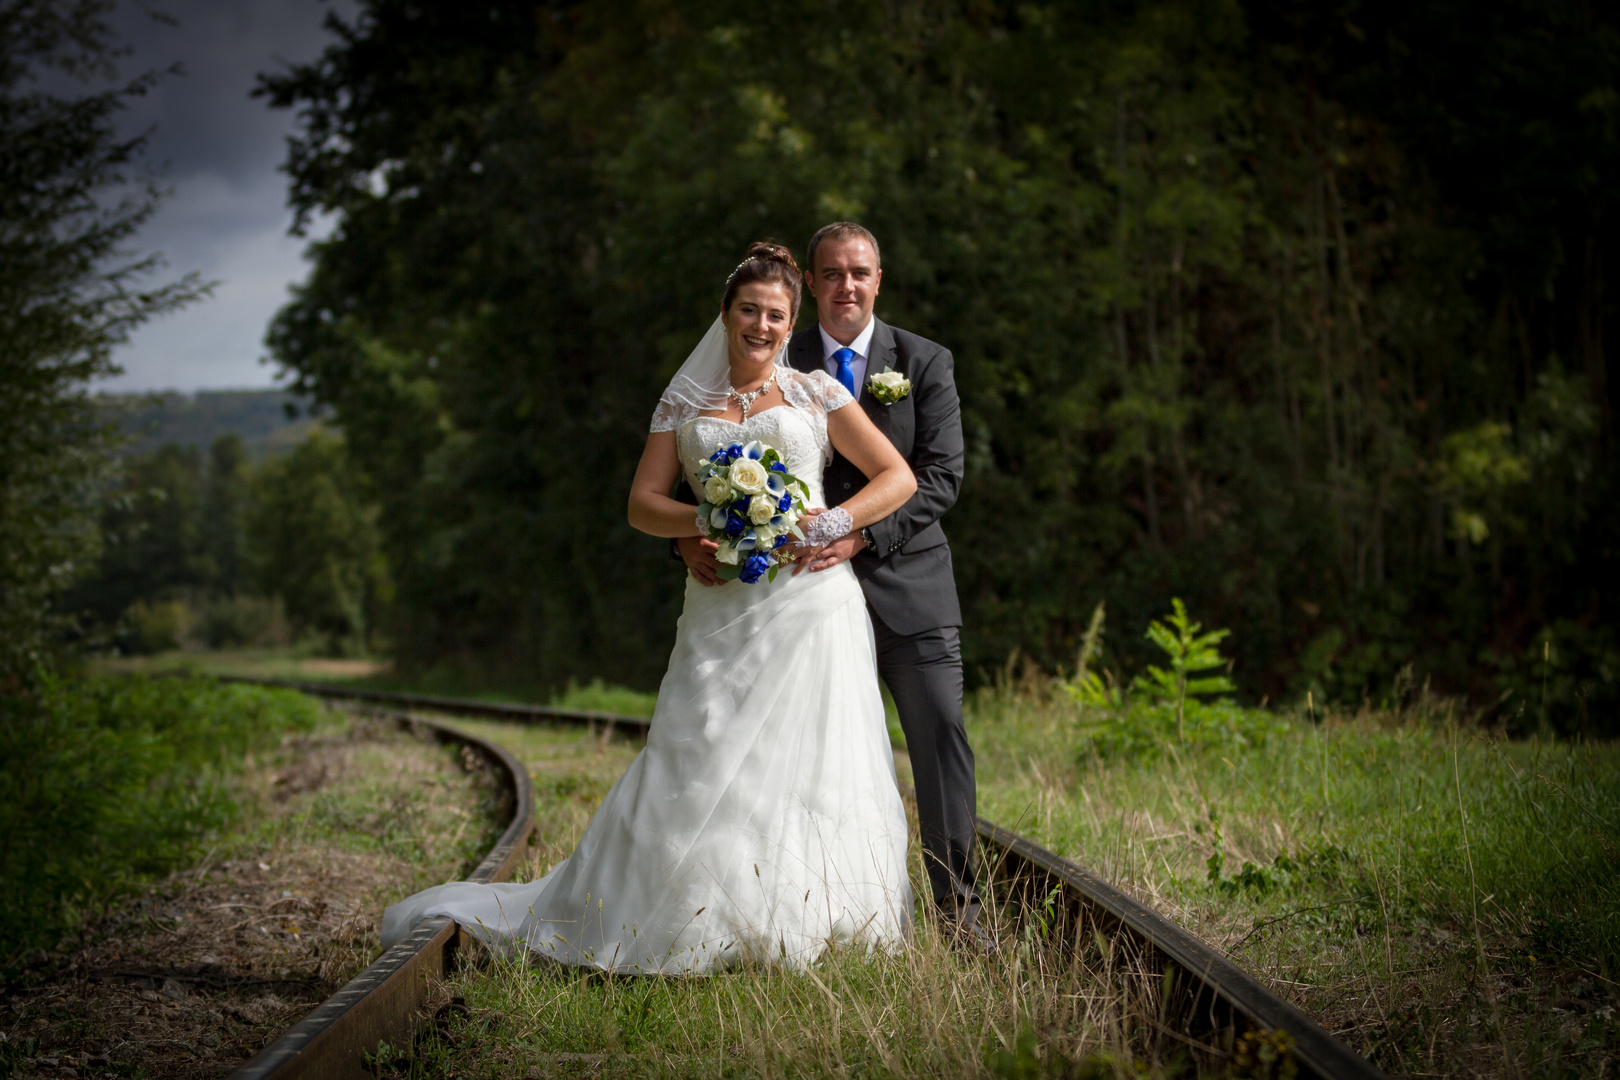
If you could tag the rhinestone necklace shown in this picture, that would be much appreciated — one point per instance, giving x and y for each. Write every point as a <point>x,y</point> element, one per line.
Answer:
<point>747,400</point>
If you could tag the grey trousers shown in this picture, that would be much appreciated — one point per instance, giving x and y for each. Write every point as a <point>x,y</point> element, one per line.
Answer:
<point>924,675</point>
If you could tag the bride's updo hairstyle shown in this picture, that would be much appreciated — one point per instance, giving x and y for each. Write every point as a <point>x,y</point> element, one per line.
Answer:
<point>766,262</point>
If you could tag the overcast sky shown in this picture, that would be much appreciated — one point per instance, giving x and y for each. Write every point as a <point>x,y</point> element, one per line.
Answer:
<point>227,218</point>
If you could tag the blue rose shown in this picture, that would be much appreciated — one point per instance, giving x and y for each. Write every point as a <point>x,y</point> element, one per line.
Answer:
<point>735,524</point>
<point>785,504</point>
<point>754,568</point>
<point>780,540</point>
<point>777,466</point>
<point>734,451</point>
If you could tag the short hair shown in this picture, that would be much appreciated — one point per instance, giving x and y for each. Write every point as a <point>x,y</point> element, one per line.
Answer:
<point>767,262</point>
<point>841,230</point>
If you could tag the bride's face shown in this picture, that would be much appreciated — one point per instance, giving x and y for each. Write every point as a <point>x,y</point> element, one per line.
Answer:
<point>760,319</point>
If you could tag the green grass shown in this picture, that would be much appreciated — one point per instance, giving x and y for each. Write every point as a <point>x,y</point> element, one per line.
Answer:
<point>304,663</point>
<point>408,803</point>
<point>1444,899</point>
<point>296,662</point>
<point>109,782</point>
<point>927,1012</point>
<point>1448,900</point>
<point>332,825</point>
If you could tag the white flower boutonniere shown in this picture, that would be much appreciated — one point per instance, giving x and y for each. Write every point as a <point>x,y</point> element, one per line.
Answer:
<point>888,386</point>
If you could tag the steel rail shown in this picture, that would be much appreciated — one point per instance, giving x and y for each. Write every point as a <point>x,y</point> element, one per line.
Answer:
<point>1218,995</point>
<point>381,1004</point>
<point>1213,994</point>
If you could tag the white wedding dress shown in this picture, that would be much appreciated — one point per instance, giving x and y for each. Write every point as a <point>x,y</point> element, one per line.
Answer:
<point>762,822</point>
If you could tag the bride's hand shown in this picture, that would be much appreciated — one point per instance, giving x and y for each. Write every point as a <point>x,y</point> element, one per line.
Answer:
<point>804,553</point>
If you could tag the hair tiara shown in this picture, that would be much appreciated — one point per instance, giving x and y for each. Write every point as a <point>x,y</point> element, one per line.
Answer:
<point>772,257</point>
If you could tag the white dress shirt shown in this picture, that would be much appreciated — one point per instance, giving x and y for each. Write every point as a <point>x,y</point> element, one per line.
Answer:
<point>861,346</point>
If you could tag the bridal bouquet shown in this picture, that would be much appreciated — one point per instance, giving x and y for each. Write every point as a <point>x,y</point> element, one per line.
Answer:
<point>751,505</point>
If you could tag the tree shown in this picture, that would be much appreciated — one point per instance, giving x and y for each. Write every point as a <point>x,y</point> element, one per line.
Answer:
<point>222,500</point>
<point>152,544</point>
<point>312,542</point>
<point>1233,320</point>
<point>71,199</point>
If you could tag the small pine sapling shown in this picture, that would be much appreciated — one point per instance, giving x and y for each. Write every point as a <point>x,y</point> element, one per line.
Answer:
<point>1190,652</point>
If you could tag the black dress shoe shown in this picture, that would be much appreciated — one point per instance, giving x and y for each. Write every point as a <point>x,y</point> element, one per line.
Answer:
<point>971,939</point>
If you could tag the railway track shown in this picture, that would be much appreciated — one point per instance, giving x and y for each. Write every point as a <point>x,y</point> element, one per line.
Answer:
<point>1201,990</point>
<point>381,1003</point>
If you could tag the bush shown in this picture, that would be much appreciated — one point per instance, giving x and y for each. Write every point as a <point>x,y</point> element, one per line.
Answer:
<point>157,626</point>
<point>244,620</point>
<point>110,781</point>
<point>1162,707</point>
<point>1142,729</point>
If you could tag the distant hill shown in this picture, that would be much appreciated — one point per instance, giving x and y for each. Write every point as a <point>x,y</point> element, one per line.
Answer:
<point>261,417</point>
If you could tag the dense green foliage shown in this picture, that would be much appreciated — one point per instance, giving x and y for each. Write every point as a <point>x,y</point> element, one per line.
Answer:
<point>110,780</point>
<point>152,538</point>
<point>71,198</point>
<point>231,553</point>
<point>1296,312</point>
<point>312,543</point>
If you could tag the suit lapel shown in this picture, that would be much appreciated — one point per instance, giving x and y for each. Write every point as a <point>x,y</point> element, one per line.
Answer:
<point>880,356</point>
<point>883,348</point>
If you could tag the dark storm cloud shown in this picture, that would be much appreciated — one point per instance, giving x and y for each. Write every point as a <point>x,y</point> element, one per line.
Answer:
<point>227,218</point>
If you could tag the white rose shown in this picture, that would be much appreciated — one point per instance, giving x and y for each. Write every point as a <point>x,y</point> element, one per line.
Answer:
<point>727,553</point>
<point>889,380</point>
<point>748,476</point>
<point>761,510</point>
<point>717,489</point>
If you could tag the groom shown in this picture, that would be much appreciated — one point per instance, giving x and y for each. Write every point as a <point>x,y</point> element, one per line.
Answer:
<point>903,562</point>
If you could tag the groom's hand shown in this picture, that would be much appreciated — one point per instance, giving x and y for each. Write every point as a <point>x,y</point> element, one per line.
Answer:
<point>699,555</point>
<point>841,550</point>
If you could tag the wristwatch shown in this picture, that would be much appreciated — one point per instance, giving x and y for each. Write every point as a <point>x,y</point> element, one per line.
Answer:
<point>866,534</point>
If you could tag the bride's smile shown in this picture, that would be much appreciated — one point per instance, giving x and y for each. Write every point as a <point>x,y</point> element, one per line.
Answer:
<point>758,323</point>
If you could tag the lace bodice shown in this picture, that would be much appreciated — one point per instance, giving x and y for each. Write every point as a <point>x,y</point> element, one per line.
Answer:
<point>798,430</point>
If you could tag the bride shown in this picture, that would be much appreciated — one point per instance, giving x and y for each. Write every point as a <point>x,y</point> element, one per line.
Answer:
<point>762,822</point>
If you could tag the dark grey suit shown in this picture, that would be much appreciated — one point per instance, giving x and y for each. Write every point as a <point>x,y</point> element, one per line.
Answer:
<point>911,595</point>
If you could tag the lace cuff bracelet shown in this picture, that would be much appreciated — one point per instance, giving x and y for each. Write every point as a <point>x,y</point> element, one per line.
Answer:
<point>825,528</point>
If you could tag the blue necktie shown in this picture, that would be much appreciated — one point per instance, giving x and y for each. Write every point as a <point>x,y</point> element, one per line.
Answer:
<point>846,374</point>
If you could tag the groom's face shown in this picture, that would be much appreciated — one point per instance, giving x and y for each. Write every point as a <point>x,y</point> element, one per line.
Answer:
<point>845,284</point>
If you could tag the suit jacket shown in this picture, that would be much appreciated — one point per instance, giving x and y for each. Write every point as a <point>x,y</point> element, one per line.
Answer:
<point>907,578</point>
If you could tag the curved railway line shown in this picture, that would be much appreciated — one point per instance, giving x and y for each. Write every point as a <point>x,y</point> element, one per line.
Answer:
<point>1202,990</point>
